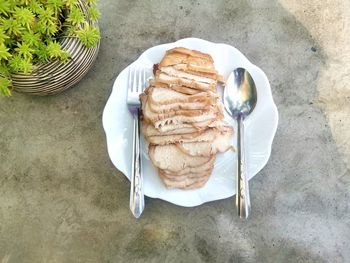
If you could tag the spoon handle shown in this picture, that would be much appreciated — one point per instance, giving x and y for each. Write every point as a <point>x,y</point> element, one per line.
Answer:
<point>242,186</point>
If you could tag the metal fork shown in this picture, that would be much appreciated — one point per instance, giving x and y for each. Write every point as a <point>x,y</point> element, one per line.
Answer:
<point>136,85</point>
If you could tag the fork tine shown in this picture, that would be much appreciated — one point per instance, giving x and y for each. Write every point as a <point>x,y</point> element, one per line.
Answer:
<point>134,78</point>
<point>129,80</point>
<point>139,80</point>
<point>144,80</point>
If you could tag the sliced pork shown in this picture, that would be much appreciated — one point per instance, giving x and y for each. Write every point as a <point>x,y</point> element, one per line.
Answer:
<point>182,118</point>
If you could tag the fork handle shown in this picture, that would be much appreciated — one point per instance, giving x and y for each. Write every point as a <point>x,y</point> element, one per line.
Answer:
<point>242,185</point>
<point>137,201</point>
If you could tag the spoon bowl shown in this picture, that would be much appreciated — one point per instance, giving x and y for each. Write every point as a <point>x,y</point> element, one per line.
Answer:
<point>240,95</point>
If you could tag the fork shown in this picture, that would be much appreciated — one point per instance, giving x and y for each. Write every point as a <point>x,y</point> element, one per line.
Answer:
<point>136,85</point>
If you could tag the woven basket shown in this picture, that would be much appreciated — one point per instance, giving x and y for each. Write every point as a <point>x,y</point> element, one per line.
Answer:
<point>54,77</point>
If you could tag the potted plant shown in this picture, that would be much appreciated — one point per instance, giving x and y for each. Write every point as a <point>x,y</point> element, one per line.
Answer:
<point>46,46</point>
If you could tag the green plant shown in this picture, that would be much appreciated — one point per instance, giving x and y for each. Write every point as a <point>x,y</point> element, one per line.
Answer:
<point>30,31</point>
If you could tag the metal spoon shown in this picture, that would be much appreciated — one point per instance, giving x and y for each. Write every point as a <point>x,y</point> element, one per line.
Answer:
<point>240,98</point>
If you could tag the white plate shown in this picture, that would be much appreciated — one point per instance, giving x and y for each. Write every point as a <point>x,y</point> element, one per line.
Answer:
<point>261,127</point>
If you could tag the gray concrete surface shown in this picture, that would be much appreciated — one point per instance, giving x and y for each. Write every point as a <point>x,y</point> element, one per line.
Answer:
<point>61,199</point>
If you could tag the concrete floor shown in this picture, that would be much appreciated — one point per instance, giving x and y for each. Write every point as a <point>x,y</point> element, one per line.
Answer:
<point>61,199</point>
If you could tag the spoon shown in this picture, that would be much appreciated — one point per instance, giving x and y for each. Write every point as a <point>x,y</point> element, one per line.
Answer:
<point>240,98</point>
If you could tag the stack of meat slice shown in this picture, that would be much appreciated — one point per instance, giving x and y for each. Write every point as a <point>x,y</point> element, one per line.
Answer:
<point>182,118</point>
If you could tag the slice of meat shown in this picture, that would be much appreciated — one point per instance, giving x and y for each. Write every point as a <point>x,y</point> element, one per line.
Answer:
<point>172,158</point>
<point>149,130</point>
<point>165,78</point>
<point>194,59</point>
<point>164,95</point>
<point>191,53</point>
<point>172,71</point>
<point>215,112</point>
<point>177,177</point>
<point>197,125</point>
<point>196,185</point>
<point>199,169</point>
<point>188,183</point>
<point>178,88</point>
<point>164,99</point>
<point>195,71</point>
<point>182,108</point>
<point>176,116</point>
<point>184,89</point>
<point>207,135</point>
<point>221,143</point>
<point>191,61</point>
<point>173,58</point>
<point>186,68</point>
<point>179,119</point>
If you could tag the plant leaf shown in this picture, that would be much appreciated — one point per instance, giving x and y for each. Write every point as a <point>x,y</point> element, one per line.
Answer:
<point>88,35</point>
<point>24,50</point>
<point>25,2</point>
<point>42,53</point>
<point>56,5</point>
<point>54,50</point>
<point>3,36</point>
<point>5,85</point>
<point>35,6</point>
<point>12,26</point>
<point>4,54</point>
<point>24,16</point>
<point>4,70</point>
<point>31,39</point>
<point>47,16</point>
<point>70,3</point>
<point>26,66</point>
<point>93,13</point>
<point>90,2</point>
<point>75,16</point>
<point>5,7</point>
<point>15,63</point>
